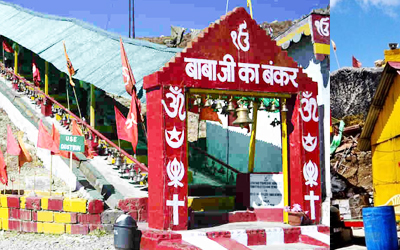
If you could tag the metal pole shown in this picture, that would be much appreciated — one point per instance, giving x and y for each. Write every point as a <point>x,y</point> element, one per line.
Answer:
<point>51,171</point>
<point>285,169</point>
<point>70,167</point>
<point>252,148</point>
<point>133,18</point>
<point>92,105</point>
<point>130,18</point>
<point>46,77</point>
<point>227,3</point>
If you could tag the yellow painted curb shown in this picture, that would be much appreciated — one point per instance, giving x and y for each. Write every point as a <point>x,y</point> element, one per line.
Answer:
<point>22,200</point>
<point>47,216</point>
<point>44,203</point>
<point>53,228</point>
<point>4,213</point>
<point>62,217</point>
<point>3,200</point>
<point>5,224</point>
<point>77,205</point>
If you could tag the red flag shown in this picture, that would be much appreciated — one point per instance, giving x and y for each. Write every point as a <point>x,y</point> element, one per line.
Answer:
<point>129,80</point>
<point>12,145</point>
<point>131,123</point>
<point>209,114</point>
<point>7,47</point>
<point>36,74</point>
<point>120,120</point>
<point>56,140</point>
<point>356,63</point>
<point>45,140</point>
<point>24,156</point>
<point>3,169</point>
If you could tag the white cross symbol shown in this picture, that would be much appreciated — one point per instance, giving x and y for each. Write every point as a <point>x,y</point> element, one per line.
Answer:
<point>175,203</point>
<point>312,198</point>
<point>130,121</point>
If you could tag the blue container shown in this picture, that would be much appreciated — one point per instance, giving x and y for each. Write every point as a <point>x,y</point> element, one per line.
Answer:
<point>380,228</point>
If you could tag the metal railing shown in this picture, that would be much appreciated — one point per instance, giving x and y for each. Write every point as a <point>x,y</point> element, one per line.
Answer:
<point>93,130</point>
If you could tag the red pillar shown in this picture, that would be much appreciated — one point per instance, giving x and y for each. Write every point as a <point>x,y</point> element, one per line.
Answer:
<point>167,135</point>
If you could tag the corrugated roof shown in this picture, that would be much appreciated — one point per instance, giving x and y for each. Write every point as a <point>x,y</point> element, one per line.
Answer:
<point>93,51</point>
<point>377,103</point>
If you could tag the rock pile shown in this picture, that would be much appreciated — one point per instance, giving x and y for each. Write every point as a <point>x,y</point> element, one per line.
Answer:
<point>352,90</point>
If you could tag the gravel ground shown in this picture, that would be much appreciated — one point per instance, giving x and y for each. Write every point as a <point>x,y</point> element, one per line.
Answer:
<point>29,241</point>
<point>29,169</point>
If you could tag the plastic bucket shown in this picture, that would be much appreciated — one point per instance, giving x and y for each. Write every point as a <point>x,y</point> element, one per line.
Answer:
<point>380,228</point>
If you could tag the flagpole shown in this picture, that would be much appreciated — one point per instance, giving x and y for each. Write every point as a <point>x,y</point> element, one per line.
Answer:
<point>337,61</point>
<point>19,179</point>
<point>67,95</point>
<point>51,171</point>
<point>227,3</point>
<point>77,103</point>
<point>70,166</point>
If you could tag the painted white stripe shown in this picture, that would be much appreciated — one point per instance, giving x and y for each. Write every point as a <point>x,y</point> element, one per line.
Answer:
<point>240,236</point>
<point>312,231</point>
<point>202,242</point>
<point>275,236</point>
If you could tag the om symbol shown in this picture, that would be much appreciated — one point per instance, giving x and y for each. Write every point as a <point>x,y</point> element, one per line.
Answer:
<point>236,39</point>
<point>310,107</point>
<point>178,101</point>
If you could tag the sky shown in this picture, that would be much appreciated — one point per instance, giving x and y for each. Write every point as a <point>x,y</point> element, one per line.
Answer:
<point>155,17</point>
<point>363,28</point>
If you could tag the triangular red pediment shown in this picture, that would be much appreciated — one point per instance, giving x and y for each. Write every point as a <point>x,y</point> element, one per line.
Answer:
<point>221,58</point>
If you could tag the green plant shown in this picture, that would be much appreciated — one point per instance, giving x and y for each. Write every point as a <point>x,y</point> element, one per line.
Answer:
<point>98,232</point>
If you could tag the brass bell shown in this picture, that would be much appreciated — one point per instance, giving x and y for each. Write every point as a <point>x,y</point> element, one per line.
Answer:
<point>284,108</point>
<point>230,108</point>
<point>219,106</point>
<point>273,107</point>
<point>196,102</point>
<point>262,106</point>
<point>243,117</point>
<point>208,103</point>
<point>95,139</point>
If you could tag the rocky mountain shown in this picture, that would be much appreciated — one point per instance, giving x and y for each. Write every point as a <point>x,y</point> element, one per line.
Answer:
<point>352,90</point>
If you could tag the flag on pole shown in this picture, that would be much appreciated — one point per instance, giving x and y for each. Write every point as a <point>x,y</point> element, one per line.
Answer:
<point>45,140</point>
<point>36,73</point>
<point>356,63</point>
<point>24,155</point>
<point>131,123</point>
<point>56,140</point>
<point>209,114</point>
<point>7,47</point>
<point>333,45</point>
<point>251,9</point>
<point>122,131</point>
<point>12,144</point>
<point>3,169</point>
<point>270,31</point>
<point>71,70</point>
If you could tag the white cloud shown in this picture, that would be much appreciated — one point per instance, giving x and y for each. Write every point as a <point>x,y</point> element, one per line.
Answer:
<point>380,2</point>
<point>334,2</point>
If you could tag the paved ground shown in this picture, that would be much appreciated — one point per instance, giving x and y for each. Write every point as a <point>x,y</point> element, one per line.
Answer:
<point>28,241</point>
<point>285,247</point>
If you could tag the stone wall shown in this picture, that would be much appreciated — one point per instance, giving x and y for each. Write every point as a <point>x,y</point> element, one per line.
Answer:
<point>352,90</point>
<point>58,215</point>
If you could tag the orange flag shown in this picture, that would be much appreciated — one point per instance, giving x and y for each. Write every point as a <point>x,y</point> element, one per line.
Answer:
<point>333,45</point>
<point>356,63</point>
<point>3,169</point>
<point>71,69</point>
<point>24,156</point>
<point>209,114</point>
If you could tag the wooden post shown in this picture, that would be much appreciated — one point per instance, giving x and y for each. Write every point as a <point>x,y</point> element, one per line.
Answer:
<point>285,162</point>
<point>46,78</point>
<point>252,149</point>
<point>92,105</point>
<point>51,172</point>
<point>15,62</point>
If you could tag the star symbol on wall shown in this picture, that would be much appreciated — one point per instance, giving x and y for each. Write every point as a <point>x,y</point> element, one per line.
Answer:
<point>174,134</point>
